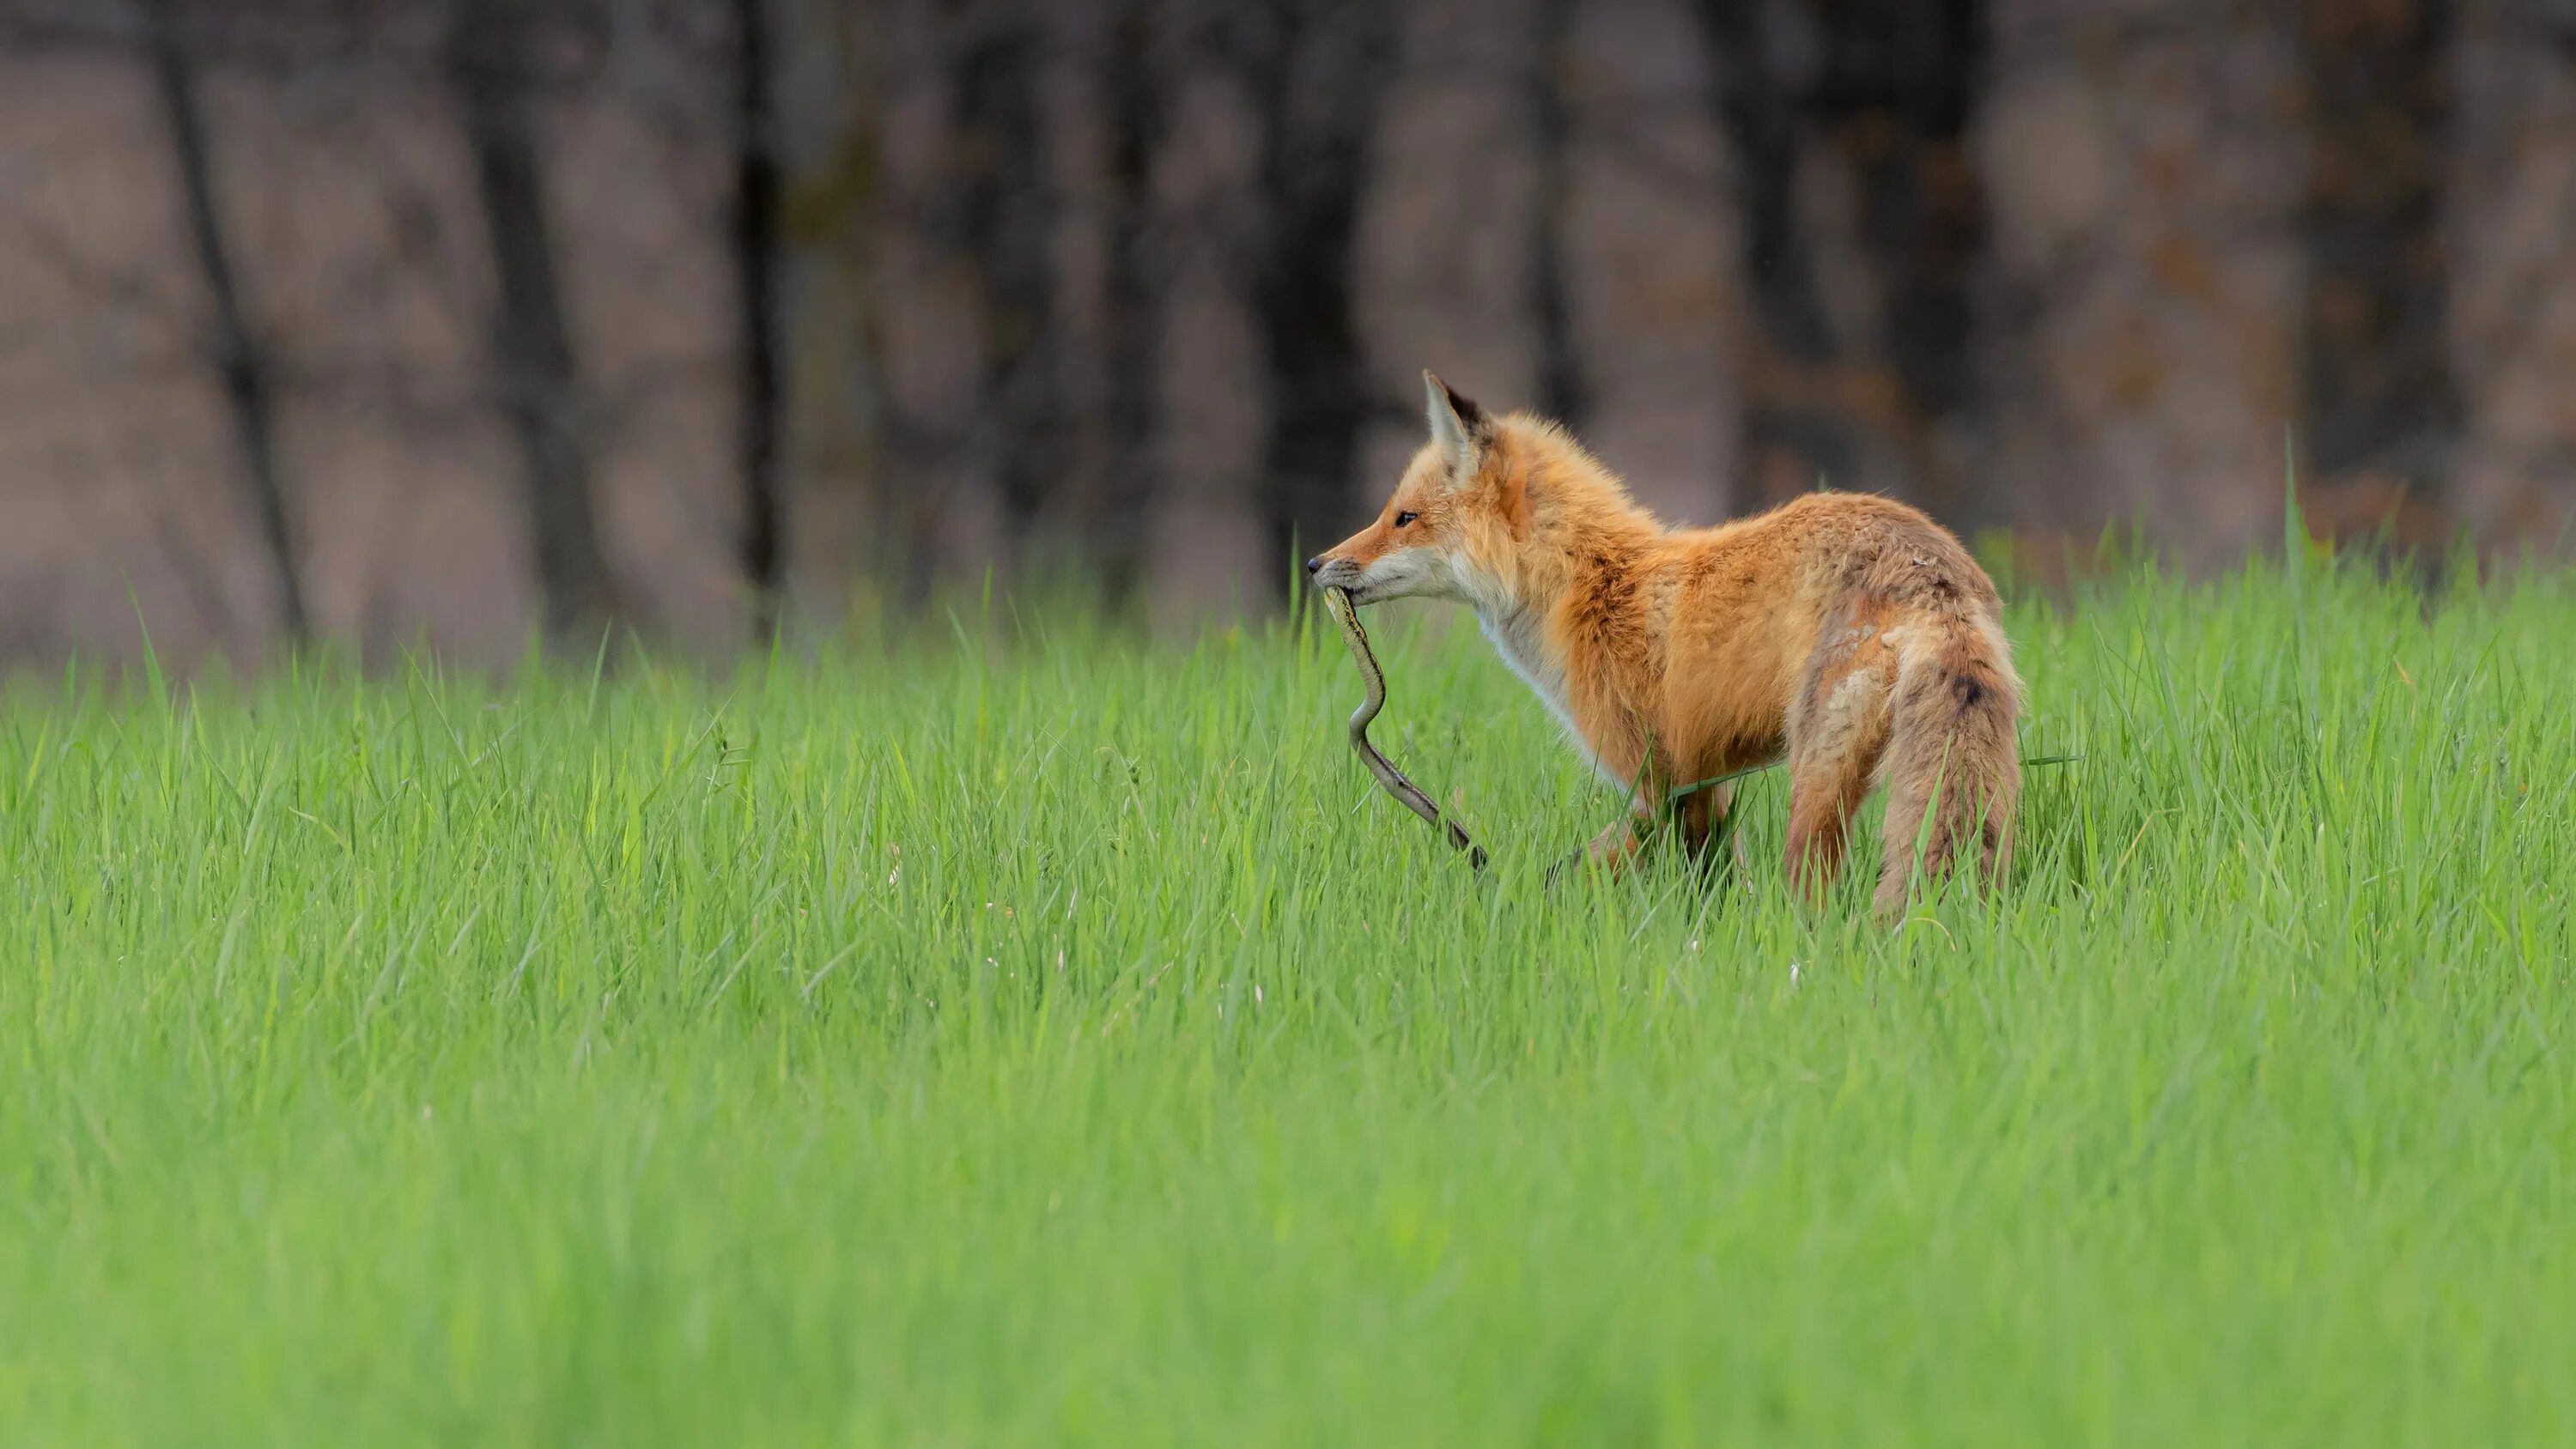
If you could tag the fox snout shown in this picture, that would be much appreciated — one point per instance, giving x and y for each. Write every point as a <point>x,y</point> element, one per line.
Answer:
<point>1342,568</point>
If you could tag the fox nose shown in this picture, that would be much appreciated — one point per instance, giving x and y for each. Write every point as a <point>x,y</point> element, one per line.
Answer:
<point>1314,565</point>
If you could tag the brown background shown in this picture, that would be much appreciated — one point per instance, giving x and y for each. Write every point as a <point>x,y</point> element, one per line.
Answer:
<point>1144,287</point>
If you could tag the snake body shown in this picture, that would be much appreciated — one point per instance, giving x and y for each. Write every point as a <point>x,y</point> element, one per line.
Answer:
<point>1389,778</point>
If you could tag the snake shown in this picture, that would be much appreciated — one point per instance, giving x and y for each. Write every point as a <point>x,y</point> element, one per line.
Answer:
<point>1337,601</point>
<point>1390,779</point>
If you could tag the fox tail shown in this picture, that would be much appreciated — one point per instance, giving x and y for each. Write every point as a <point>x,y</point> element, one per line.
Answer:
<point>1953,764</point>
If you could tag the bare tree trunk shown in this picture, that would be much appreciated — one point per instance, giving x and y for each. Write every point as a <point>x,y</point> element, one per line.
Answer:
<point>1560,364</point>
<point>1008,228</point>
<point>241,356</point>
<point>1318,75</point>
<point>824,107</point>
<point>1901,90</point>
<point>2381,410</point>
<point>1134,302</point>
<point>1654,239</point>
<point>1849,123</point>
<point>914,179</point>
<point>755,257</point>
<point>489,67</point>
<point>2511,230</point>
<point>1766,109</point>
<point>2143,173</point>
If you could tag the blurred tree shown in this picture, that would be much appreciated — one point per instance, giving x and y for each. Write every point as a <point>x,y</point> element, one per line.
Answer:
<point>2144,173</point>
<point>2379,401</point>
<point>1007,225</point>
<point>1133,92</point>
<point>1560,368</point>
<point>2509,199</point>
<point>241,355</point>
<point>828,111</point>
<point>1006,276</point>
<point>1763,53</point>
<point>755,255</point>
<point>1317,70</point>
<point>1862,226</point>
<point>488,63</point>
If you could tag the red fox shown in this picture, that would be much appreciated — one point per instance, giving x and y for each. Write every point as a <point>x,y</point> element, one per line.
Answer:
<point>1848,632</point>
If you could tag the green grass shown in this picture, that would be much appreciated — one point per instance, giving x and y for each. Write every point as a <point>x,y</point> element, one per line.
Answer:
<point>1058,1038</point>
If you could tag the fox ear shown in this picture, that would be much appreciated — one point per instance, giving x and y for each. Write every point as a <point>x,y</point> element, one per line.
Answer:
<point>1457,424</point>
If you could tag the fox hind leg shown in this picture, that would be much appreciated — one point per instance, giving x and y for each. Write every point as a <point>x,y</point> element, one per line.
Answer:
<point>1837,740</point>
<point>1824,795</point>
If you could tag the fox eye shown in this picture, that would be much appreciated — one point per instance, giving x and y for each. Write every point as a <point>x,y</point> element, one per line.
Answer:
<point>1402,519</point>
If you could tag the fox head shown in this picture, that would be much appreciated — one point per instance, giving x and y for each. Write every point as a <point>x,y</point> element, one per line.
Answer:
<point>1427,541</point>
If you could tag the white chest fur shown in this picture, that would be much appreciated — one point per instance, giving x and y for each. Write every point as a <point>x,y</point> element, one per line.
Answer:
<point>1517,636</point>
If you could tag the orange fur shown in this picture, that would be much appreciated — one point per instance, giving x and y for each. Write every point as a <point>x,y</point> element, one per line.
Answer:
<point>1848,632</point>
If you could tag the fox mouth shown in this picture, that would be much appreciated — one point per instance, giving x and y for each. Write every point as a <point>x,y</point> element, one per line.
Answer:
<point>1338,575</point>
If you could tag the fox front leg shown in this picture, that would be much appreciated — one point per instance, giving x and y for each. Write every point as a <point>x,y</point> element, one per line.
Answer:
<point>1706,818</point>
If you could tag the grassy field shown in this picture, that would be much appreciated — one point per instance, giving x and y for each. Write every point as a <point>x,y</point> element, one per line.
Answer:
<point>1026,1034</point>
